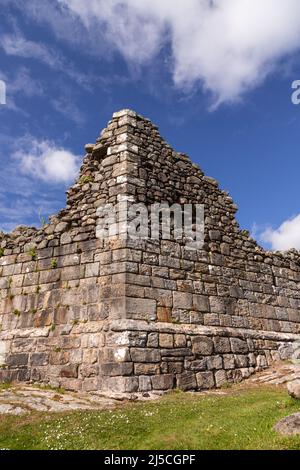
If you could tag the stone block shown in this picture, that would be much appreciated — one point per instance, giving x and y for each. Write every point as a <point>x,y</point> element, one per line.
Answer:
<point>186,381</point>
<point>146,369</point>
<point>228,361</point>
<point>200,303</point>
<point>239,346</point>
<point>166,340</point>
<point>145,384</point>
<point>119,384</point>
<point>179,341</point>
<point>214,362</point>
<point>17,360</point>
<point>70,371</point>
<point>220,378</point>
<point>183,300</point>
<point>114,369</point>
<point>205,380</point>
<point>202,345</point>
<point>143,309</point>
<point>162,382</point>
<point>152,341</point>
<point>145,355</point>
<point>241,361</point>
<point>222,345</point>
<point>164,314</point>
<point>174,367</point>
<point>92,270</point>
<point>195,365</point>
<point>39,359</point>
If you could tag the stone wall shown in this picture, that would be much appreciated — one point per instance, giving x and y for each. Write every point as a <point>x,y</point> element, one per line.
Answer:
<point>134,315</point>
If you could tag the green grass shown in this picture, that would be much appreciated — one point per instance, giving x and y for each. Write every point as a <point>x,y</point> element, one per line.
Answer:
<point>5,386</point>
<point>240,419</point>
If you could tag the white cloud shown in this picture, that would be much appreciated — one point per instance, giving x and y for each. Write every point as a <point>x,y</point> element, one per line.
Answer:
<point>285,237</point>
<point>229,46</point>
<point>45,161</point>
<point>17,45</point>
<point>226,46</point>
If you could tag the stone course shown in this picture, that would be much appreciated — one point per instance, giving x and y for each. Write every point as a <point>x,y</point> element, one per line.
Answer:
<point>86,313</point>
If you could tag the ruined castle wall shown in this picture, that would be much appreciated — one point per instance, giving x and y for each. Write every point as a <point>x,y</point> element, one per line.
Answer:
<point>127,315</point>
<point>212,315</point>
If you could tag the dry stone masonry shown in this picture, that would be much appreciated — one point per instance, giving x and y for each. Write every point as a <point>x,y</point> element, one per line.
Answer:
<point>139,315</point>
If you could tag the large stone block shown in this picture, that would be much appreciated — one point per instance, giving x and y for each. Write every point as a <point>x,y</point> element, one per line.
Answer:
<point>182,300</point>
<point>186,381</point>
<point>202,345</point>
<point>239,345</point>
<point>163,382</point>
<point>17,360</point>
<point>145,355</point>
<point>222,345</point>
<point>205,380</point>
<point>143,309</point>
<point>166,340</point>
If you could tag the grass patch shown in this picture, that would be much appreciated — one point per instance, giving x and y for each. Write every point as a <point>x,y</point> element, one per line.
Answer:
<point>5,386</point>
<point>46,387</point>
<point>239,419</point>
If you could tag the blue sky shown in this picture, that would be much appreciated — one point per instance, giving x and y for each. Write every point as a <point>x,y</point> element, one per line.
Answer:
<point>214,76</point>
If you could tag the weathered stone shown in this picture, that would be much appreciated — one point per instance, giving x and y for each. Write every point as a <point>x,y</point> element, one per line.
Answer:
<point>166,341</point>
<point>202,345</point>
<point>239,345</point>
<point>69,371</point>
<point>289,426</point>
<point>179,341</point>
<point>14,360</point>
<point>186,381</point>
<point>214,362</point>
<point>182,300</point>
<point>162,382</point>
<point>205,380</point>
<point>114,369</point>
<point>39,359</point>
<point>146,369</point>
<point>145,355</point>
<point>152,340</point>
<point>294,389</point>
<point>200,303</point>
<point>220,378</point>
<point>221,345</point>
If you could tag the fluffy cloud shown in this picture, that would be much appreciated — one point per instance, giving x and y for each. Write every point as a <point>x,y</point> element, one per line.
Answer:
<point>285,237</point>
<point>229,46</point>
<point>226,46</point>
<point>45,161</point>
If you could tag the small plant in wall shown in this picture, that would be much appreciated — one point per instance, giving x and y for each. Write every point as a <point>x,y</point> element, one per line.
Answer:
<point>16,312</point>
<point>85,179</point>
<point>33,254</point>
<point>1,252</point>
<point>54,263</point>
